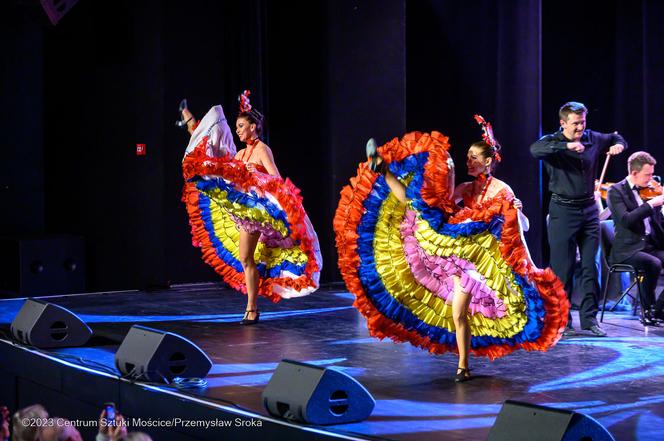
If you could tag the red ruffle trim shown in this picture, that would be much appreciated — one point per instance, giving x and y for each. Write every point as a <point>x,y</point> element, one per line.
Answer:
<point>346,219</point>
<point>197,163</point>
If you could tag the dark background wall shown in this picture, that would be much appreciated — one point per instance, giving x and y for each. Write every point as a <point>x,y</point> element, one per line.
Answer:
<point>605,56</point>
<point>77,97</point>
<point>480,57</point>
<point>22,122</point>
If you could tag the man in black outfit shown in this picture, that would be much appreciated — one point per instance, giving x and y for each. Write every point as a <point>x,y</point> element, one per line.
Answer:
<point>570,156</point>
<point>639,227</point>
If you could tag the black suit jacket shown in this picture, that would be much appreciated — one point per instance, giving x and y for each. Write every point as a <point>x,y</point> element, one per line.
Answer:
<point>628,219</point>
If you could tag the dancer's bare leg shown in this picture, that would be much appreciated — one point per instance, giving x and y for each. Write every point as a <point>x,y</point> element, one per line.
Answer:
<point>460,304</point>
<point>248,242</point>
<point>191,121</point>
<point>395,185</point>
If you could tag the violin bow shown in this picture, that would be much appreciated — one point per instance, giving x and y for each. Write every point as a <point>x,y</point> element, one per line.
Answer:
<point>601,177</point>
<point>606,164</point>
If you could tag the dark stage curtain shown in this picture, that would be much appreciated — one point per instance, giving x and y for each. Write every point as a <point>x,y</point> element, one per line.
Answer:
<point>114,74</point>
<point>607,55</point>
<point>366,91</point>
<point>517,63</point>
<point>638,93</point>
<point>78,97</point>
<point>22,123</point>
<point>480,57</point>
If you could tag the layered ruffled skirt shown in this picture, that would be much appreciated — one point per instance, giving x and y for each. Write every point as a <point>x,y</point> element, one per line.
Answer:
<point>222,197</point>
<point>400,261</point>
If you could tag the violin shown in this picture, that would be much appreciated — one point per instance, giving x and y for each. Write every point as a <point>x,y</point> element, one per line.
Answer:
<point>604,188</point>
<point>653,189</point>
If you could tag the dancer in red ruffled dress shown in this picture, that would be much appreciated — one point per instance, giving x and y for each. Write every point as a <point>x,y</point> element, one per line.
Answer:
<point>441,277</point>
<point>248,221</point>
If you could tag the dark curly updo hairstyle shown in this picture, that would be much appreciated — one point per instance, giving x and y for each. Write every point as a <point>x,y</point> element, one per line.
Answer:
<point>489,151</point>
<point>250,114</point>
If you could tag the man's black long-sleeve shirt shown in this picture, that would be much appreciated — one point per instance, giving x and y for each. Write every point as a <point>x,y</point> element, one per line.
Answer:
<point>572,174</point>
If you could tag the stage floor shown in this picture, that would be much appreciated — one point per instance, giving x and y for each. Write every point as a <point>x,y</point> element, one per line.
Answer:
<point>618,380</point>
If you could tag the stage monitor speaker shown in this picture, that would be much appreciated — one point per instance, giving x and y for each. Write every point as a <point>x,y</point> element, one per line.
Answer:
<point>42,265</point>
<point>316,395</point>
<point>524,421</point>
<point>45,325</point>
<point>154,355</point>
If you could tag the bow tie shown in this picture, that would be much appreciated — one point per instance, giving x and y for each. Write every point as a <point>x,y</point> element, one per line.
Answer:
<point>636,187</point>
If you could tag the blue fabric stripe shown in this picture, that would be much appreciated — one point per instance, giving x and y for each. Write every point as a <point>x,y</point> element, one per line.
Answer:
<point>206,215</point>
<point>250,200</point>
<point>284,266</point>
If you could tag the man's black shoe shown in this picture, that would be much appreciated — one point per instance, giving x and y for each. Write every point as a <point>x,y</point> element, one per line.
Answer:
<point>596,330</point>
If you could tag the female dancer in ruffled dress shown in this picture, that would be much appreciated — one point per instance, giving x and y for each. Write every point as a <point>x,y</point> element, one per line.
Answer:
<point>442,277</point>
<point>241,211</point>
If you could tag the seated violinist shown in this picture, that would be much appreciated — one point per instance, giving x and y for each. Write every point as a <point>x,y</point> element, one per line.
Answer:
<point>639,228</point>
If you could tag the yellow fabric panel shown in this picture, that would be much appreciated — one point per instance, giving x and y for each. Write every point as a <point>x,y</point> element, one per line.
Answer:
<point>225,229</point>
<point>481,249</point>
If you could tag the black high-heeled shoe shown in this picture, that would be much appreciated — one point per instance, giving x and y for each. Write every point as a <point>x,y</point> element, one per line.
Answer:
<point>372,154</point>
<point>181,123</point>
<point>463,374</point>
<point>246,321</point>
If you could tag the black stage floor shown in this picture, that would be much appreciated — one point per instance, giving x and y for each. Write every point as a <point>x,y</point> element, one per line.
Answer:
<point>618,380</point>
